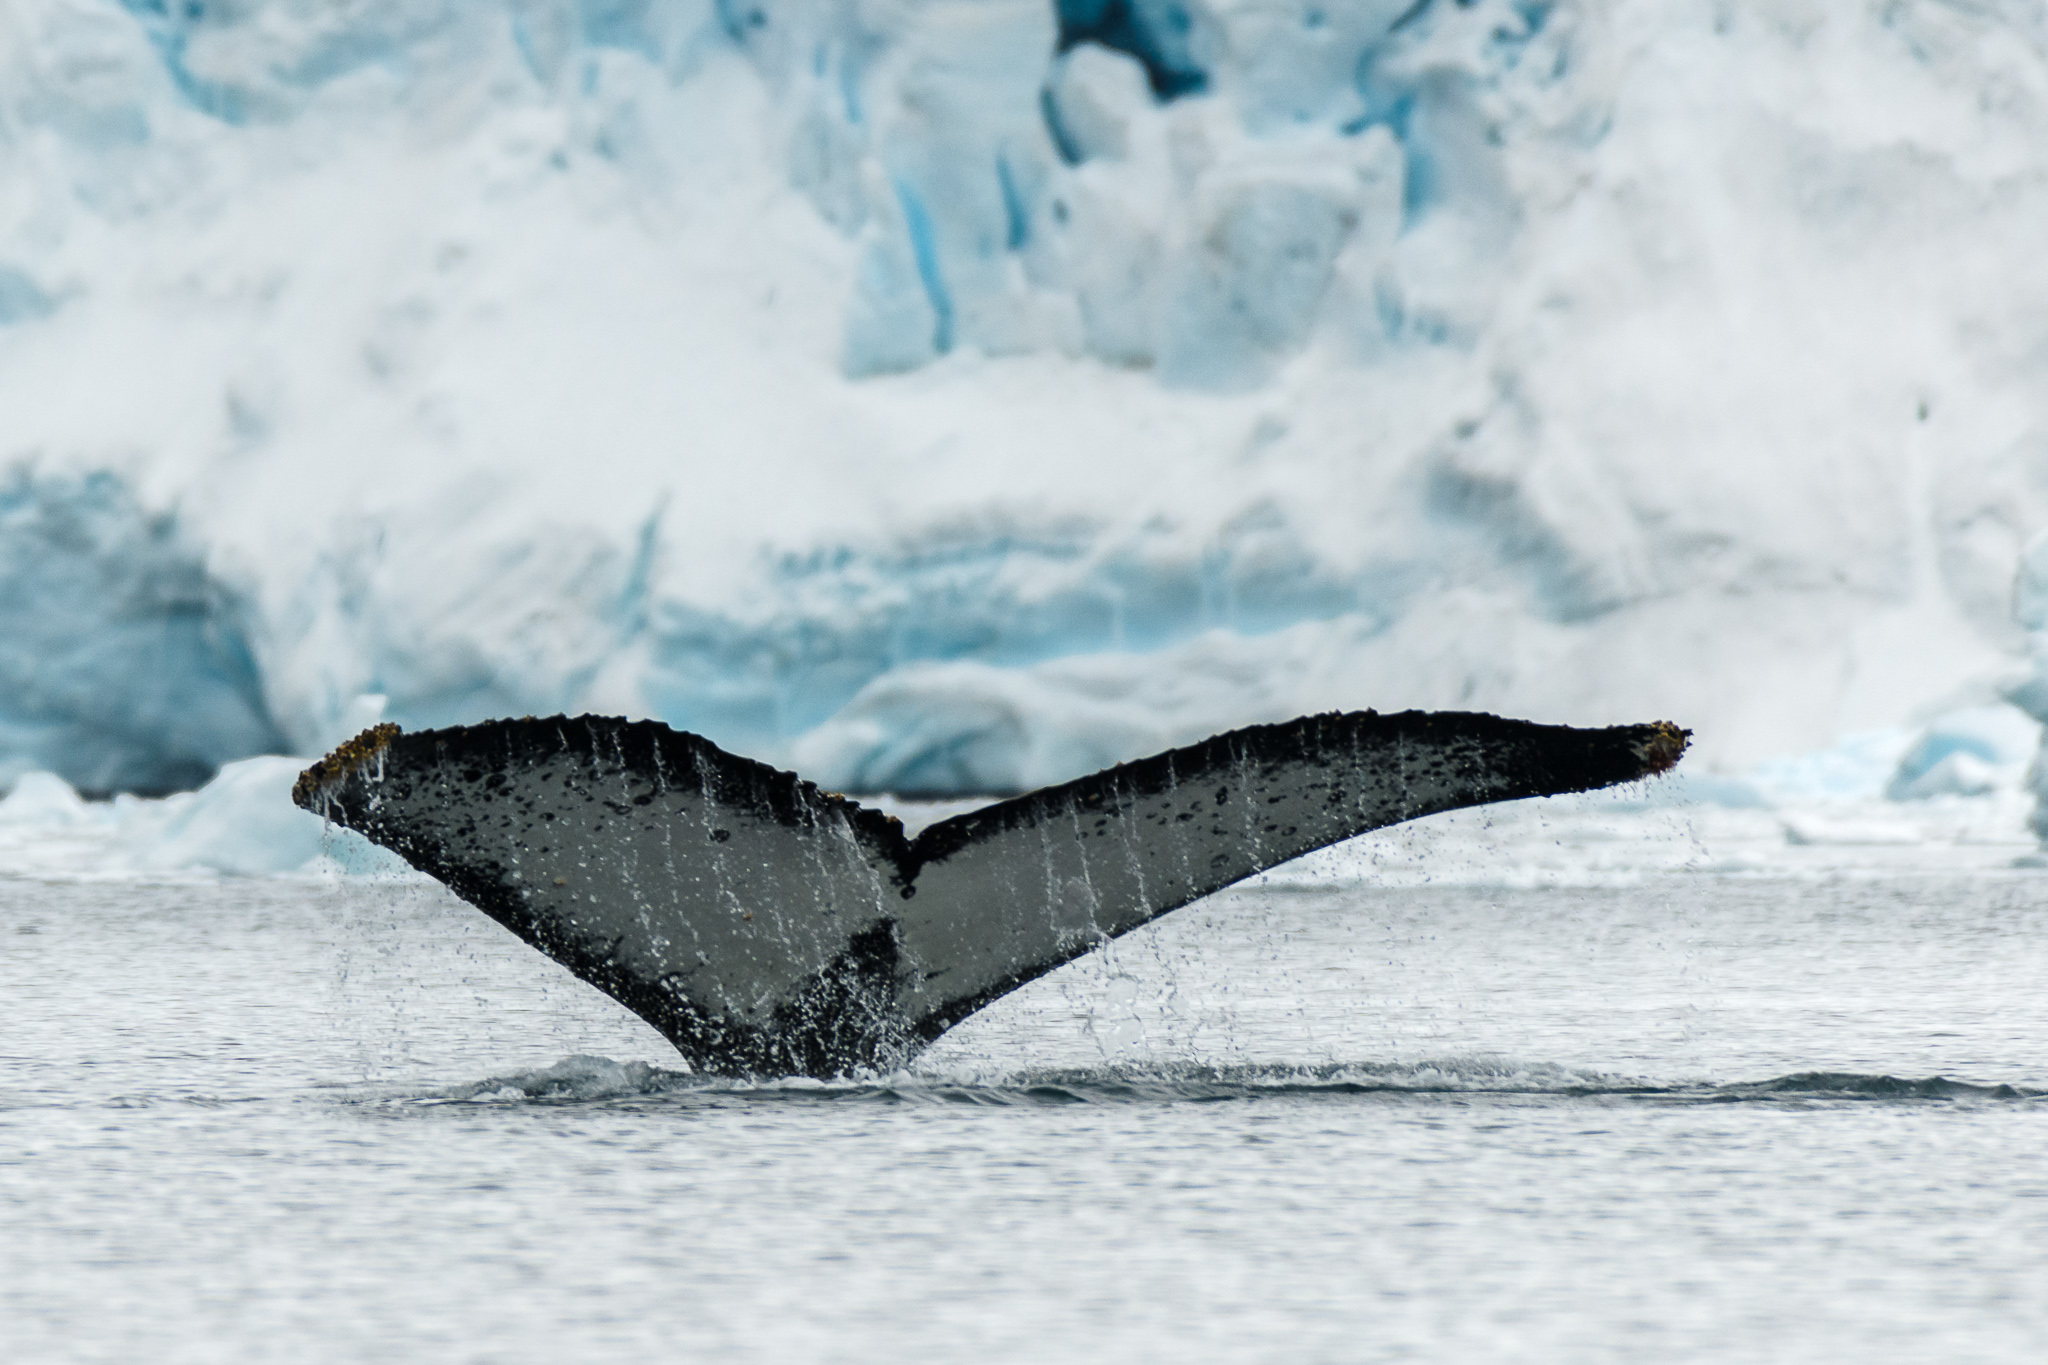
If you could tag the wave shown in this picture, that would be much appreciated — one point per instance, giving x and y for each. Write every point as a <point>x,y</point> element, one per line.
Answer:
<point>586,1079</point>
<point>1858,1085</point>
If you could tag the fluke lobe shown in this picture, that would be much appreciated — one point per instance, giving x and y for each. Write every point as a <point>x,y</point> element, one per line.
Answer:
<point>766,927</point>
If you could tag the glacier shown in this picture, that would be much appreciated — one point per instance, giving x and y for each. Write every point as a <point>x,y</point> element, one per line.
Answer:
<point>949,395</point>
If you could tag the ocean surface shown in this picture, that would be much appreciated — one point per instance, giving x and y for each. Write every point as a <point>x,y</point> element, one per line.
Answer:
<point>1708,1109</point>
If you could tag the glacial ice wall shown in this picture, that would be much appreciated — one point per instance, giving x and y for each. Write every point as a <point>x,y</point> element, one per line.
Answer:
<point>965,393</point>
<point>121,663</point>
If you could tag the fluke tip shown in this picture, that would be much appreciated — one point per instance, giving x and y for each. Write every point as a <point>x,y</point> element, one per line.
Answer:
<point>348,757</point>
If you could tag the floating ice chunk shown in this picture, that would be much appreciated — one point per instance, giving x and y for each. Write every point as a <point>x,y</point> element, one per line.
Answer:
<point>1955,774</point>
<point>1700,789</point>
<point>42,798</point>
<point>243,823</point>
<point>1808,830</point>
<point>1855,769</point>
<point>1970,752</point>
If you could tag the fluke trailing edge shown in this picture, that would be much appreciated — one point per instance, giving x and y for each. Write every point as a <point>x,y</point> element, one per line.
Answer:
<point>766,927</point>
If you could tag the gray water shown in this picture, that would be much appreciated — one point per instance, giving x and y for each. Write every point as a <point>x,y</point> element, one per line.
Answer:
<point>1696,1119</point>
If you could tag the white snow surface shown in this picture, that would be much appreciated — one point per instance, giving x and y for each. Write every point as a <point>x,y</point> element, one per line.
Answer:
<point>879,389</point>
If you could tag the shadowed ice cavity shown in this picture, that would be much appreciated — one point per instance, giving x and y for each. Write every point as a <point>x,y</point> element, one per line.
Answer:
<point>1172,42</point>
<point>123,664</point>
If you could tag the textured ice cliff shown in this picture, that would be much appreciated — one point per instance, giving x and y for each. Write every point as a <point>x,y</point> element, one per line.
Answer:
<point>967,393</point>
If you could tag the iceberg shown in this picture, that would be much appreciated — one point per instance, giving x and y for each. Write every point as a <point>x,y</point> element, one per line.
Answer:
<point>241,824</point>
<point>1968,752</point>
<point>43,799</point>
<point>969,393</point>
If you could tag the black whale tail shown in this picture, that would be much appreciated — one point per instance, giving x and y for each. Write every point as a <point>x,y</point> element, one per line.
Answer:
<point>766,927</point>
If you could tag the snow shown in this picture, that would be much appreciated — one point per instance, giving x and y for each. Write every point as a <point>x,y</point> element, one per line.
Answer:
<point>970,392</point>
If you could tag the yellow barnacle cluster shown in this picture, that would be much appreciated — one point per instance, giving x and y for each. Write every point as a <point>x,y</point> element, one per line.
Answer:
<point>349,757</point>
<point>1662,748</point>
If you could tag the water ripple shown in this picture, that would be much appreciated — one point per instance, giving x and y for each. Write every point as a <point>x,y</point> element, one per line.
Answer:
<point>589,1080</point>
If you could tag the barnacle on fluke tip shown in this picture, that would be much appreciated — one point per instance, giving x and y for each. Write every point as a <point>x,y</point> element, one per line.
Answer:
<point>1662,749</point>
<point>767,927</point>
<point>347,757</point>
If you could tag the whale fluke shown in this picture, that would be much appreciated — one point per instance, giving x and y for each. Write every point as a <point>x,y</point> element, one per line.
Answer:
<point>766,927</point>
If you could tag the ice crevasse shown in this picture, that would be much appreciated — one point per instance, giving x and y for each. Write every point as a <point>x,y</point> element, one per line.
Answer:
<point>963,394</point>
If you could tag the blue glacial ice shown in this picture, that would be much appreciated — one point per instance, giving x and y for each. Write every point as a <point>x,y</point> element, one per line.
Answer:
<point>240,823</point>
<point>966,393</point>
<point>124,666</point>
